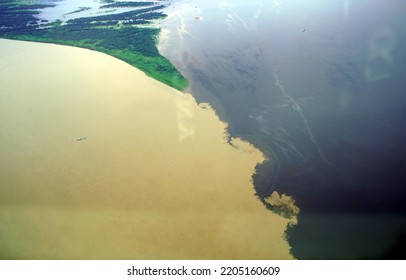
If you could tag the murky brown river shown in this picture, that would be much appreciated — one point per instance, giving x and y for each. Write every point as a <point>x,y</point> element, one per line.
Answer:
<point>99,161</point>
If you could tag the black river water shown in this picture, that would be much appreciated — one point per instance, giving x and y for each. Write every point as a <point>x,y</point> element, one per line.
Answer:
<point>319,87</point>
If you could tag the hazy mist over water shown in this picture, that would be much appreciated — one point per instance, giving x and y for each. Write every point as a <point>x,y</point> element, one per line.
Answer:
<point>318,87</point>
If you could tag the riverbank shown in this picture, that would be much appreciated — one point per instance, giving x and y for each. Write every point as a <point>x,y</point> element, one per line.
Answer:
<point>128,33</point>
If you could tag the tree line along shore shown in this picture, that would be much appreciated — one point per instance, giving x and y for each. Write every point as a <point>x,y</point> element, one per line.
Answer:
<point>128,36</point>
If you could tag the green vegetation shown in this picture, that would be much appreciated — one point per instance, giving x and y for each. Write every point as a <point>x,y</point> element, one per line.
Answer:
<point>81,9</point>
<point>121,4</point>
<point>118,35</point>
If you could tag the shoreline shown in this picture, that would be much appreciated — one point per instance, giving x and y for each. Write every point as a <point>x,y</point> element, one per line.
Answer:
<point>105,33</point>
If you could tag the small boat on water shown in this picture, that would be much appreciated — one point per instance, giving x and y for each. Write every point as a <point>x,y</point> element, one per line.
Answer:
<point>81,138</point>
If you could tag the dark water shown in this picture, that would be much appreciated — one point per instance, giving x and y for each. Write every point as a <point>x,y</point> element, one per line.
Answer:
<point>319,86</point>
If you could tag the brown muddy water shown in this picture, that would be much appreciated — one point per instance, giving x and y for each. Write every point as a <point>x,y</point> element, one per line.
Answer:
<point>99,161</point>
